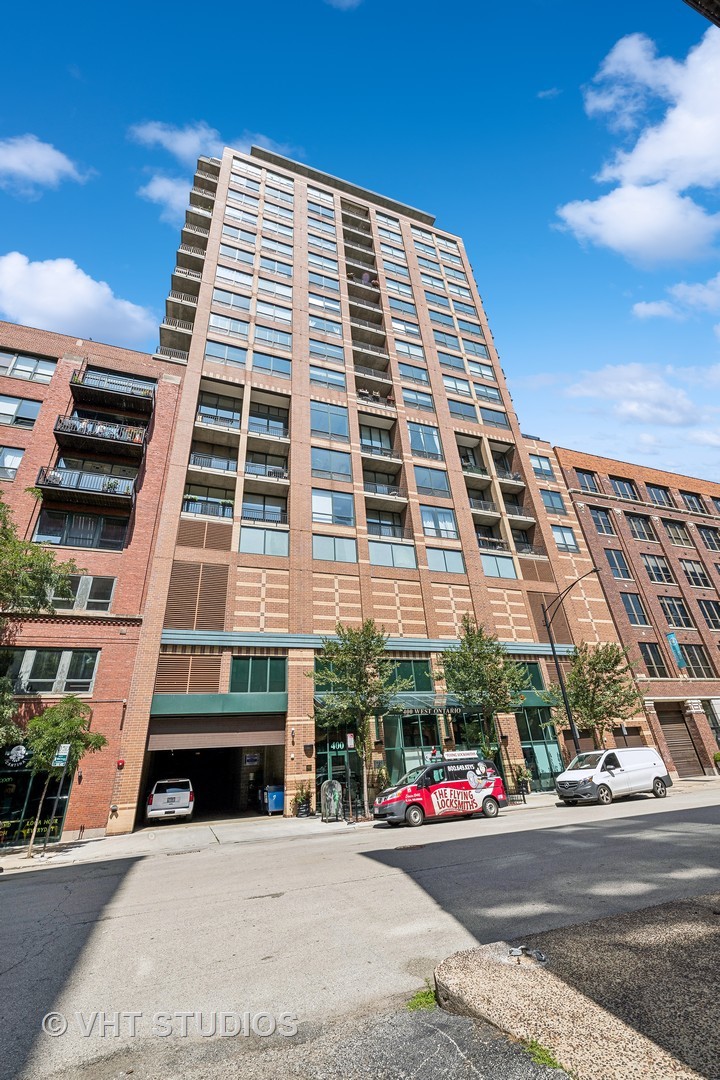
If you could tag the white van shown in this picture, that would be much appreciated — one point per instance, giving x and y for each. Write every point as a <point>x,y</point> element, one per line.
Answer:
<point>603,775</point>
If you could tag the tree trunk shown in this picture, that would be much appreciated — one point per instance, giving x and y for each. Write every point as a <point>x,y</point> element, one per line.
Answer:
<point>37,817</point>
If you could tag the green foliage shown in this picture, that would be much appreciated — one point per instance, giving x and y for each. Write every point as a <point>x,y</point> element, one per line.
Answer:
<point>10,731</point>
<point>29,575</point>
<point>357,680</point>
<point>423,999</point>
<point>302,796</point>
<point>481,675</point>
<point>541,1055</point>
<point>716,758</point>
<point>601,690</point>
<point>66,722</point>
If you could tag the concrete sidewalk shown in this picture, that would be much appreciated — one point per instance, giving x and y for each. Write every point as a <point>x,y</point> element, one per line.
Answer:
<point>175,838</point>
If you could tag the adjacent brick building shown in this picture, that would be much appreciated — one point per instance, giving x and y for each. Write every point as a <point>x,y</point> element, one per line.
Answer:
<point>656,537</point>
<point>86,426</point>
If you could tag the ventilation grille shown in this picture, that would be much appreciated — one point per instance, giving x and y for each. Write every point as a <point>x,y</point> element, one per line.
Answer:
<point>212,535</point>
<point>188,675</point>
<point>197,597</point>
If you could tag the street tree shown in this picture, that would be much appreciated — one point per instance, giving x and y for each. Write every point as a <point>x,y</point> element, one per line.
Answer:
<point>30,576</point>
<point>485,680</point>
<point>357,681</point>
<point>66,722</point>
<point>601,690</point>
<point>10,731</point>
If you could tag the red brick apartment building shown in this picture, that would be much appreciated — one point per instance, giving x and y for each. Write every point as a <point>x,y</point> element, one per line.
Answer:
<point>656,537</point>
<point>346,448</point>
<point>89,426</point>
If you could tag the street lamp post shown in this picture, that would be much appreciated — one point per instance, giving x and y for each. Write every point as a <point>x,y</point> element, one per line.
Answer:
<point>548,618</point>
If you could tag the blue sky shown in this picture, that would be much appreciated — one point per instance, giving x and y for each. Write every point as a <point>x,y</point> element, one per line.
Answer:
<point>575,147</point>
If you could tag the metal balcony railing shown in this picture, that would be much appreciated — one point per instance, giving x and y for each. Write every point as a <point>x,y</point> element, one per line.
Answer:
<point>431,455</point>
<point>483,504</point>
<point>101,429</point>
<point>78,480</point>
<point>261,426</point>
<point>375,349</point>
<point>271,472</point>
<point>177,324</point>
<point>182,297</point>
<point>220,421</point>
<point>475,470</point>
<point>508,474</point>
<point>372,373</point>
<point>381,528</point>
<point>271,515</point>
<point>210,461</point>
<point>491,543</point>
<point>381,489</point>
<point>189,249</point>
<point>100,380</point>
<point>172,354</point>
<point>192,505</point>
<point>377,451</point>
<point>524,548</point>
<point>367,324</point>
<point>366,397</point>
<point>197,229</point>
<point>181,271</point>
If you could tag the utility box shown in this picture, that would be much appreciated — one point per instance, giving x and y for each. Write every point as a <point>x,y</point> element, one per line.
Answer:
<point>274,799</point>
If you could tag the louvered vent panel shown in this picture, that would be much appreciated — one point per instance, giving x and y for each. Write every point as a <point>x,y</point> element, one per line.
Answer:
<point>218,536</point>
<point>183,596</point>
<point>205,675</point>
<point>172,675</point>
<point>191,534</point>
<point>213,598</point>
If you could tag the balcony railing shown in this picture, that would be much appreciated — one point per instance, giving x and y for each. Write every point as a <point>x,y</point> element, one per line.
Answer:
<point>92,483</point>
<point>508,474</point>
<point>232,422</point>
<point>524,548</point>
<point>177,324</point>
<point>372,373</point>
<point>190,249</point>
<point>182,272</point>
<point>483,504</point>
<point>209,509</point>
<point>210,461</point>
<point>259,426</point>
<point>366,397</point>
<point>431,455</point>
<point>106,430</point>
<point>368,324</point>
<point>197,229</point>
<point>183,297</point>
<point>361,345</point>
<point>380,528</point>
<point>491,543</point>
<point>271,515</point>
<point>381,489</point>
<point>272,472</point>
<point>172,354</point>
<point>377,451</point>
<point>475,470</point>
<point>103,381</point>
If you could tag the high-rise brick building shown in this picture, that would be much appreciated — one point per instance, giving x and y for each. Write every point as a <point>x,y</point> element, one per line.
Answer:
<point>85,427</point>
<point>656,536</point>
<point>346,447</point>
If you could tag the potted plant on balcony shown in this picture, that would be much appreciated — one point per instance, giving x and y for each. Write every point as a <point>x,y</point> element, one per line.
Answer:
<point>111,486</point>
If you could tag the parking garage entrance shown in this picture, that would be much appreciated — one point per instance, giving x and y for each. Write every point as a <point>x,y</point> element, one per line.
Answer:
<point>228,760</point>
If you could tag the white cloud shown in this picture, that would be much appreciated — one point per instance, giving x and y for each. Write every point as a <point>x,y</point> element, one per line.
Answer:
<point>649,216</point>
<point>344,5</point>
<point>57,295</point>
<point>702,297</point>
<point>655,309</point>
<point>27,164</point>
<point>187,143</point>
<point>637,393</point>
<point>170,193</point>
<point>552,92</point>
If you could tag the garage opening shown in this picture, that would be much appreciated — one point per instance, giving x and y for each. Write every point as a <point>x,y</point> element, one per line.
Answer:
<point>679,740</point>
<point>228,759</point>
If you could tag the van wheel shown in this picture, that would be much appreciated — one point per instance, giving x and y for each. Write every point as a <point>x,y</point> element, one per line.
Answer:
<point>414,816</point>
<point>490,807</point>
<point>659,789</point>
<point>605,795</point>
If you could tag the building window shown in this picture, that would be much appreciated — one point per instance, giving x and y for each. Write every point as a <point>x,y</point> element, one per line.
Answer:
<point>332,507</point>
<point>710,537</point>
<point>711,613</point>
<point>30,368</point>
<point>716,504</point>
<point>50,671</point>
<point>218,409</point>
<point>618,567</point>
<point>425,441</point>
<point>413,374</point>
<point>334,548</point>
<point>441,559</point>
<point>263,541</point>
<point>325,303</point>
<point>268,420</point>
<point>456,363</point>
<point>81,530</point>
<point>488,393</point>
<point>565,538</point>
<point>258,675</point>
<point>439,521</point>
<point>542,467</point>
<point>331,380</point>
<point>323,350</point>
<point>458,386</point>
<point>602,520</point>
<point>416,399</point>
<point>697,662</point>
<point>463,410</point>
<point>695,573</point>
<point>634,609</point>
<point>273,311</point>
<point>553,501</point>
<point>416,671</point>
<point>18,412</point>
<point>87,594</point>
<point>432,481</point>
<point>324,282</point>
<point>400,555</point>
<point>329,421</point>
<point>324,326</point>
<point>587,481</point>
<point>694,503</point>
<point>658,569</point>
<point>269,336</point>
<point>278,366</point>
<point>624,489</point>
<point>500,566</point>
<point>640,527</point>
<point>474,348</point>
<point>412,352</point>
<point>678,534</point>
<point>676,613</point>
<point>493,418</point>
<point>659,495</point>
<point>331,464</point>
<point>653,659</point>
<point>10,459</point>
<point>447,341</point>
<point>232,300</point>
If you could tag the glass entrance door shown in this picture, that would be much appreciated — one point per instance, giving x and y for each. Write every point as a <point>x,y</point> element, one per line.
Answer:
<point>540,747</point>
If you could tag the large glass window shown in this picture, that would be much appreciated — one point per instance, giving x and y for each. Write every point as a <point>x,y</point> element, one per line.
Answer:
<point>565,538</point>
<point>334,548</point>
<point>416,399</point>
<point>641,527</point>
<point>432,481</point>
<point>329,421</point>
<point>18,412</point>
<point>659,495</point>
<point>86,594</point>
<point>324,350</point>
<point>263,541</point>
<point>417,672</point>
<point>50,671</point>
<point>618,566</point>
<point>331,380</point>
<point>587,480</point>
<point>445,560</point>
<point>258,675</point>
<point>711,613</point>
<point>676,613</point>
<point>219,409</point>
<point>653,659</point>
<point>463,410</point>
<point>552,501</point>
<point>279,366</point>
<point>677,533</point>
<point>425,441</point>
<point>658,569</point>
<point>10,458</point>
<point>31,368</point>
<point>542,467</point>
<point>500,566</point>
<point>693,502</point>
<point>634,609</point>
<point>493,418</point>
<point>81,530</point>
<point>695,573</point>
<point>385,554</point>
<point>602,520</point>
<point>439,521</point>
<point>332,507</point>
<point>697,662</point>
<point>624,489</point>
<point>413,374</point>
<point>710,537</point>
<point>226,354</point>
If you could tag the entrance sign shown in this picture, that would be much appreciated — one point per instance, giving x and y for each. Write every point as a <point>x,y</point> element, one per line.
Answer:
<point>331,800</point>
<point>337,745</point>
<point>251,759</point>
<point>61,755</point>
<point>459,755</point>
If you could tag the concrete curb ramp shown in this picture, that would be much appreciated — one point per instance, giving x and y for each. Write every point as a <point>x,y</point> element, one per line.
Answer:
<point>675,947</point>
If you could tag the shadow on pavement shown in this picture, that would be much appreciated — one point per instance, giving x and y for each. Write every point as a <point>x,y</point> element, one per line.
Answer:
<point>47,919</point>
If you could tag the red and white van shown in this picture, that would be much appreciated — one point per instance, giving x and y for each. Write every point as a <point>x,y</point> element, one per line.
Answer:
<point>458,785</point>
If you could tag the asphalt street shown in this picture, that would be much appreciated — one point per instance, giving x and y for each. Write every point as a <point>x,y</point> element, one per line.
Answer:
<point>338,931</point>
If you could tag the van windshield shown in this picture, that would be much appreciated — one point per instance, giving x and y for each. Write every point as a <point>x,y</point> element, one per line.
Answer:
<point>412,776</point>
<point>585,761</point>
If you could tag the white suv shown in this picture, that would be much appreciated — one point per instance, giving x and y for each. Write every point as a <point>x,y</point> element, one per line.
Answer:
<point>170,799</point>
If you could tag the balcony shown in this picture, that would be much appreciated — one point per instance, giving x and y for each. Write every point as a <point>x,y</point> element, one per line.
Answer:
<point>113,391</point>
<point>387,490</point>
<point>357,253</point>
<point>191,505</point>
<point>212,461</point>
<point>197,215</point>
<point>509,480</point>
<point>190,256</point>
<point>267,515</point>
<point>374,400</point>
<point>363,268</point>
<point>365,330</point>
<point>88,488</point>
<point>196,230</point>
<point>492,543</point>
<point>175,334</point>
<point>397,532</point>
<point>266,472</point>
<point>484,509</point>
<point>380,451</point>
<point>267,429</point>
<point>163,352</point>
<point>368,306</point>
<point>524,548</point>
<point>362,372</point>
<point>355,221</point>
<point>106,436</point>
<point>519,513</point>
<point>374,350</point>
<point>191,275</point>
<point>202,197</point>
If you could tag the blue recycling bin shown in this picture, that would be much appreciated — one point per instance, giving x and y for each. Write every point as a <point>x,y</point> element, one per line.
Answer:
<point>274,798</point>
